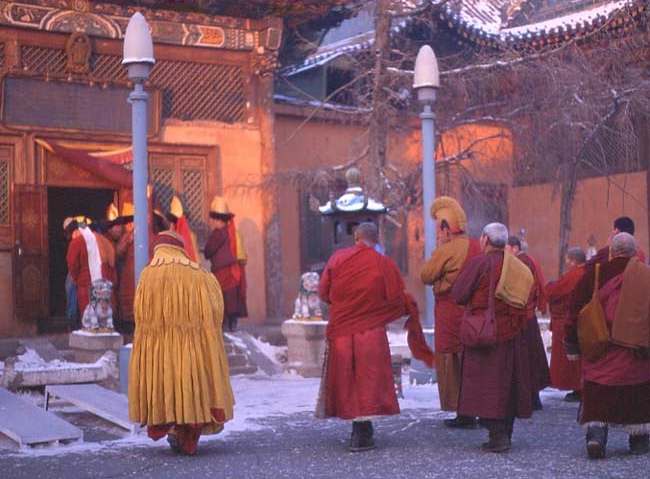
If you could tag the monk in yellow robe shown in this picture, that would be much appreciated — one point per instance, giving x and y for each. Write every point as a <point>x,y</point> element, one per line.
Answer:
<point>179,383</point>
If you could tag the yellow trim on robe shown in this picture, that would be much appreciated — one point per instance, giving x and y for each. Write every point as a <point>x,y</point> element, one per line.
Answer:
<point>179,368</point>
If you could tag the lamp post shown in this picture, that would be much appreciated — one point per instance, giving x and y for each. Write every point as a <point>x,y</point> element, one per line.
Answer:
<point>139,60</point>
<point>426,80</point>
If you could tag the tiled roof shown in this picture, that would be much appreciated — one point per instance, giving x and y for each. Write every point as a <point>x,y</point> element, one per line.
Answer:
<point>489,21</point>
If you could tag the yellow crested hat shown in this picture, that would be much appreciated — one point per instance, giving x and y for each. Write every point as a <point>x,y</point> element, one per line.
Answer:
<point>448,209</point>
<point>112,213</point>
<point>176,207</point>
<point>219,206</point>
<point>128,209</point>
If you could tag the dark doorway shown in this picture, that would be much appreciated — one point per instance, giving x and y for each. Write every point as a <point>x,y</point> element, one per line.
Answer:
<point>61,204</point>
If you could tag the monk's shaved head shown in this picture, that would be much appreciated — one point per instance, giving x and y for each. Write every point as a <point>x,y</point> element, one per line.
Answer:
<point>496,234</point>
<point>367,232</point>
<point>623,245</point>
<point>577,255</point>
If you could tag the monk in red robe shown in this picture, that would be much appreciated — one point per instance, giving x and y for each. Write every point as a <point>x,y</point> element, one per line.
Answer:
<point>540,377</point>
<point>495,383</point>
<point>454,250</point>
<point>624,224</point>
<point>365,292</point>
<point>616,385</point>
<point>90,257</point>
<point>565,374</point>
<point>223,251</point>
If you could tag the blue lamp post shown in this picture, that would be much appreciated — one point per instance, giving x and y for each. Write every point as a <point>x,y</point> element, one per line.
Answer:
<point>426,81</point>
<point>139,60</point>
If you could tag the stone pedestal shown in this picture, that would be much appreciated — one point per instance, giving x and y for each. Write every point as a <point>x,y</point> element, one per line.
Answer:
<point>89,347</point>
<point>306,346</point>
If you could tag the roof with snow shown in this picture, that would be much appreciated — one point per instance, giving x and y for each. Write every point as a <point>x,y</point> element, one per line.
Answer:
<point>537,23</point>
<point>497,23</point>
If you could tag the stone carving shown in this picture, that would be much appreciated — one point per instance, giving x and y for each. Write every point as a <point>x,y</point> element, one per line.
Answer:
<point>307,306</point>
<point>98,316</point>
<point>78,49</point>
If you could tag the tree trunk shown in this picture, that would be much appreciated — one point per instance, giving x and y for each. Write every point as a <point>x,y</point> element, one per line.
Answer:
<point>378,127</point>
<point>569,186</point>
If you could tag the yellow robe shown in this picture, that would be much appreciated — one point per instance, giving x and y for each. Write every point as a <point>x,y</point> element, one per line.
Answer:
<point>179,368</point>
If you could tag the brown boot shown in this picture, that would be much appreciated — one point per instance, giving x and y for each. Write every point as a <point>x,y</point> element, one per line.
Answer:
<point>639,444</point>
<point>462,422</point>
<point>499,442</point>
<point>596,439</point>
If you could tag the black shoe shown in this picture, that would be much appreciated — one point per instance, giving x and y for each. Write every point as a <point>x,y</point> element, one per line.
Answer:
<point>499,442</point>
<point>173,443</point>
<point>537,403</point>
<point>639,444</point>
<point>232,324</point>
<point>462,422</point>
<point>596,441</point>
<point>573,396</point>
<point>362,436</point>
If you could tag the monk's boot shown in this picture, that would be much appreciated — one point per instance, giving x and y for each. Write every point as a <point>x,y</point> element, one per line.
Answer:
<point>462,422</point>
<point>596,441</point>
<point>362,436</point>
<point>639,444</point>
<point>499,442</point>
<point>573,396</point>
<point>172,440</point>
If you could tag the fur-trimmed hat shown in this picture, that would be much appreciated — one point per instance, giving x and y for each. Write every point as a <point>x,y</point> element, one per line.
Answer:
<point>448,209</point>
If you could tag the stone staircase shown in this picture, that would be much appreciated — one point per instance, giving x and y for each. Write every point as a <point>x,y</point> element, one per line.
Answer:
<point>238,359</point>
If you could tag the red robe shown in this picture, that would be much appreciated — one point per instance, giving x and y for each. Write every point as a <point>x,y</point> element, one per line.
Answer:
<point>496,381</point>
<point>221,251</point>
<point>565,374</point>
<point>616,387</point>
<point>77,260</point>
<point>126,258</point>
<point>540,377</point>
<point>365,291</point>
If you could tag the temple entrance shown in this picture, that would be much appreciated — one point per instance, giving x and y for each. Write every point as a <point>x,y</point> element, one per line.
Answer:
<point>63,203</point>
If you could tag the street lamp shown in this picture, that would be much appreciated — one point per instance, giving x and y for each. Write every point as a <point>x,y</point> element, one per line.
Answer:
<point>139,60</point>
<point>426,81</point>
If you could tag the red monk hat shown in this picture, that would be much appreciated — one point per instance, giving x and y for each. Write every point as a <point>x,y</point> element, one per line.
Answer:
<point>449,210</point>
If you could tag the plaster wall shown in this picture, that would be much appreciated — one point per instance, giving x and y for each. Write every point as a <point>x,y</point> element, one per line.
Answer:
<point>241,162</point>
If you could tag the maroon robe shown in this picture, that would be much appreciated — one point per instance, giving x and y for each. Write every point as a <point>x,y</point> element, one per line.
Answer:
<point>495,380</point>
<point>539,371</point>
<point>365,291</point>
<point>617,386</point>
<point>219,250</point>
<point>565,374</point>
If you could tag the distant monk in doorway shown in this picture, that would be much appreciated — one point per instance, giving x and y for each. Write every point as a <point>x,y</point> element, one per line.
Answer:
<point>90,258</point>
<point>565,374</point>
<point>540,377</point>
<point>454,249</point>
<point>126,265</point>
<point>365,292</point>
<point>225,251</point>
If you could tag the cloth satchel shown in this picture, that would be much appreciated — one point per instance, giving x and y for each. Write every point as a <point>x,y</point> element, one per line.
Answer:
<point>479,330</point>
<point>593,336</point>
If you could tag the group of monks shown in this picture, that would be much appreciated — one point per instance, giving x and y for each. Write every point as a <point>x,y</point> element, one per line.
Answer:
<point>489,355</point>
<point>104,250</point>
<point>490,359</point>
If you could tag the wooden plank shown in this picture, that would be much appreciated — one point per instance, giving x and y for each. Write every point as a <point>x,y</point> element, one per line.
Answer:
<point>29,425</point>
<point>102,402</point>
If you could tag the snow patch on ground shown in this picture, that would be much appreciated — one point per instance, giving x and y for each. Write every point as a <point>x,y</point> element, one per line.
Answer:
<point>274,353</point>
<point>257,397</point>
<point>30,360</point>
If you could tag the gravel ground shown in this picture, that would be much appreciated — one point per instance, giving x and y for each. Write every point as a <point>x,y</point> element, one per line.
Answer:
<point>412,445</point>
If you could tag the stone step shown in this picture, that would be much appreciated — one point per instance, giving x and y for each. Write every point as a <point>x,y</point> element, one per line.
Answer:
<point>237,360</point>
<point>102,402</point>
<point>243,370</point>
<point>29,425</point>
